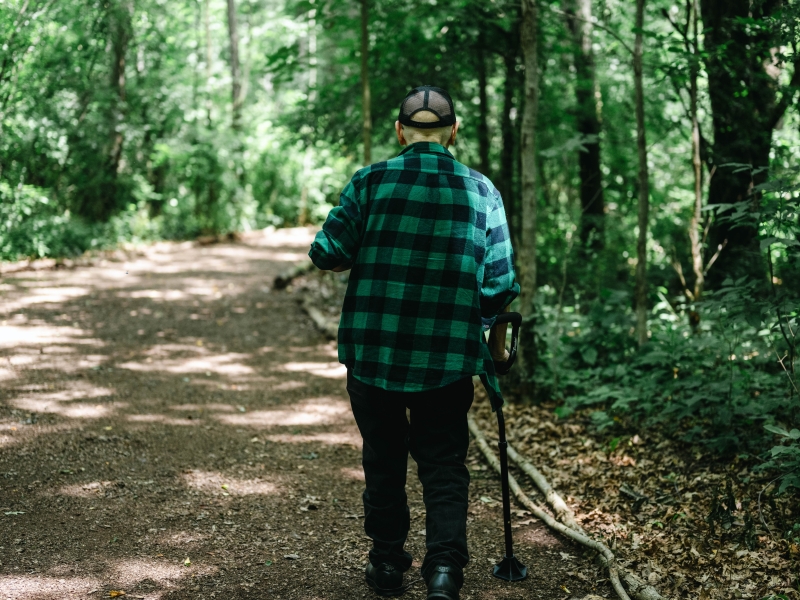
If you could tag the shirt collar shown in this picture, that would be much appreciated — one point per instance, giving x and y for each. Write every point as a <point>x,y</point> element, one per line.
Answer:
<point>426,148</point>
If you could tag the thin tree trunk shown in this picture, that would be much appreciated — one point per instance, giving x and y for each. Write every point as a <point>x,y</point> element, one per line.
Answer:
<point>120,31</point>
<point>527,242</point>
<point>196,72</point>
<point>483,114</point>
<point>207,19</point>
<point>697,167</point>
<point>506,181</point>
<point>236,89</point>
<point>644,186</point>
<point>366,100</point>
<point>592,224</point>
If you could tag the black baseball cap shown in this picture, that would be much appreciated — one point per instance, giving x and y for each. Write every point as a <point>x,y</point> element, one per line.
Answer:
<point>430,98</point>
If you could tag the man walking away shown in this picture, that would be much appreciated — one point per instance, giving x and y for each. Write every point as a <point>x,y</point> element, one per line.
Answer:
<point>432,266</point>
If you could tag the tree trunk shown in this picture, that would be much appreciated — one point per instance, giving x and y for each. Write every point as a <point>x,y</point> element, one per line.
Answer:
<point>697,167</point>
<point>588,124</point>
<point>236,81</point>
<point>644,185</point>
<point>207,19</point>
<point>120,31</point>
<point>527,242</point>
<point>506,181</point>
<point>366,101</point>
<point>483,115</point>
<point>743,103</point>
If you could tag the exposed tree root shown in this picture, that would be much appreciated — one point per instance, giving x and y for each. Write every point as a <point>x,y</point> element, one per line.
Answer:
<point>283,280</point>
<point>638,588</point>
<point>556,502</point>
<point>327,326</point>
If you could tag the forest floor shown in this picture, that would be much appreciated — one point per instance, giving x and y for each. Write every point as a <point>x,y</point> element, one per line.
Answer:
<point>172,427</point>
<point>688,520</point>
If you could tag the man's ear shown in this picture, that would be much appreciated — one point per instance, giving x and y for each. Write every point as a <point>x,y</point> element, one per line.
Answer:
<point>399,130</point>
<point>453,134</point>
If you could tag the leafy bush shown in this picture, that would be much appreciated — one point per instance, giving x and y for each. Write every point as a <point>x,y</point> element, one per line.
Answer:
<point>32,226</point>
<point>724,382</point>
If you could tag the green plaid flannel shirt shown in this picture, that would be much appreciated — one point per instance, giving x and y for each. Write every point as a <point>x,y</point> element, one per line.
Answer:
<point>432,266</point>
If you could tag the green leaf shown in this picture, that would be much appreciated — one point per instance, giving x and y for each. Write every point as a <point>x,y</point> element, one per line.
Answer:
<point>776,429</point>
<point>589,355</point>
<point>753,316</point>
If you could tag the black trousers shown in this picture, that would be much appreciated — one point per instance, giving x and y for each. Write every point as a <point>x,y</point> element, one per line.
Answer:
<point>438,439</point>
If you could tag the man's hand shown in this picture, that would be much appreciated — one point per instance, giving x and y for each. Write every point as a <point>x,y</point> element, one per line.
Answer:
<point>497,342</point>
<point>341,268</point>
<point>501,359</point>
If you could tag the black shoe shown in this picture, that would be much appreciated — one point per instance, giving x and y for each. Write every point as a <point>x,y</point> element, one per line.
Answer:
<point>443,584</point>
<point>384,579</point>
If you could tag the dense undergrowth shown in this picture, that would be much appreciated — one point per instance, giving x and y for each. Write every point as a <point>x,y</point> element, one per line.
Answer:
<point>720,372</point>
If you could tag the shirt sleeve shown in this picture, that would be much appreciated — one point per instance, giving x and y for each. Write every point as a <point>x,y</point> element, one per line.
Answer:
<point>338,241</point>
<point>499,286</point>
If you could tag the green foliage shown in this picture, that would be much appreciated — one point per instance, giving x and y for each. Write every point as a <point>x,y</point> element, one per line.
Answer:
<point>94,154</point>
<point>716,383</point>
<point>30,225</point>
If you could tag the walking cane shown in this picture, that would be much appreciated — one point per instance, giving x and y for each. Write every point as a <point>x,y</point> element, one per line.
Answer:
<point>509,569</point>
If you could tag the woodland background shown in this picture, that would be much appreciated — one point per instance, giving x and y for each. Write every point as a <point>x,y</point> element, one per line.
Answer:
<point>648,154</point>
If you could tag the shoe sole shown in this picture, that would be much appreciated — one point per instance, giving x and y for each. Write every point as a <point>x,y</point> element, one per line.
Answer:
<point>441,596</point>
<point>384,592</point>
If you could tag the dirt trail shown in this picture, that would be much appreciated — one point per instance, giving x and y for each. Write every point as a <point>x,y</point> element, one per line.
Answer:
<point>172,428</point>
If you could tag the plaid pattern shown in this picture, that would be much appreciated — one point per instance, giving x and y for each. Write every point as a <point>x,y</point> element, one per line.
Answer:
<point>432,266</point>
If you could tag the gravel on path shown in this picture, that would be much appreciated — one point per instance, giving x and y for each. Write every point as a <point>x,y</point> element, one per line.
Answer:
<point>171,427</point>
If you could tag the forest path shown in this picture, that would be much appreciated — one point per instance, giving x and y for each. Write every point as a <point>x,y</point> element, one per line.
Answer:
<point>173,428</point>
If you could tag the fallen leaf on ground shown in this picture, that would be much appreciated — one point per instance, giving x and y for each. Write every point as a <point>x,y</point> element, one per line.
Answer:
<point>291,556</point>
<point>186,562</point>
<point>116,593</point>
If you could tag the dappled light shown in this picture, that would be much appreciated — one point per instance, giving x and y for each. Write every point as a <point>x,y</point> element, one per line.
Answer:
<point>86,490</point>
<point>118,575</point>
<point>48,295</point>
<point>36,334</point>
<point>174,432</point>
<point>351,473</point>
<point>203,361</point>
<point>622,177</point>
<point>219,484</point>
<point>163,419</point>
<point>351,438</point>
<point>68,402</point>
<point>321,411</point>
<point>329,370</point>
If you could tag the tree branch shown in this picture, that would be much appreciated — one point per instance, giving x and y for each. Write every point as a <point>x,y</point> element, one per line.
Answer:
<point>597,24</point>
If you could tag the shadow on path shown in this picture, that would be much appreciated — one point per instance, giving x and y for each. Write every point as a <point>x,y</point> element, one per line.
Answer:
<point>172,428</point>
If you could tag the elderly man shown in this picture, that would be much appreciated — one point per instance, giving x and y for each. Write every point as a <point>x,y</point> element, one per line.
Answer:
<point>432,266</point>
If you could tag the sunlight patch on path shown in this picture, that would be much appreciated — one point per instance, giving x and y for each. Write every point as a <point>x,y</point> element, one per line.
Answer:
<point>353,473</point>
<point>30,587</point>
<point>212,482</point>
<point>320,411</point>
<point>203,361</point>
<point>42,295</point>
<point>331,370</point>
<point>61,358</point>
<point>349,438</point>
<point>62,402</point>
<point>36,335</point>
<point>164,420</point>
